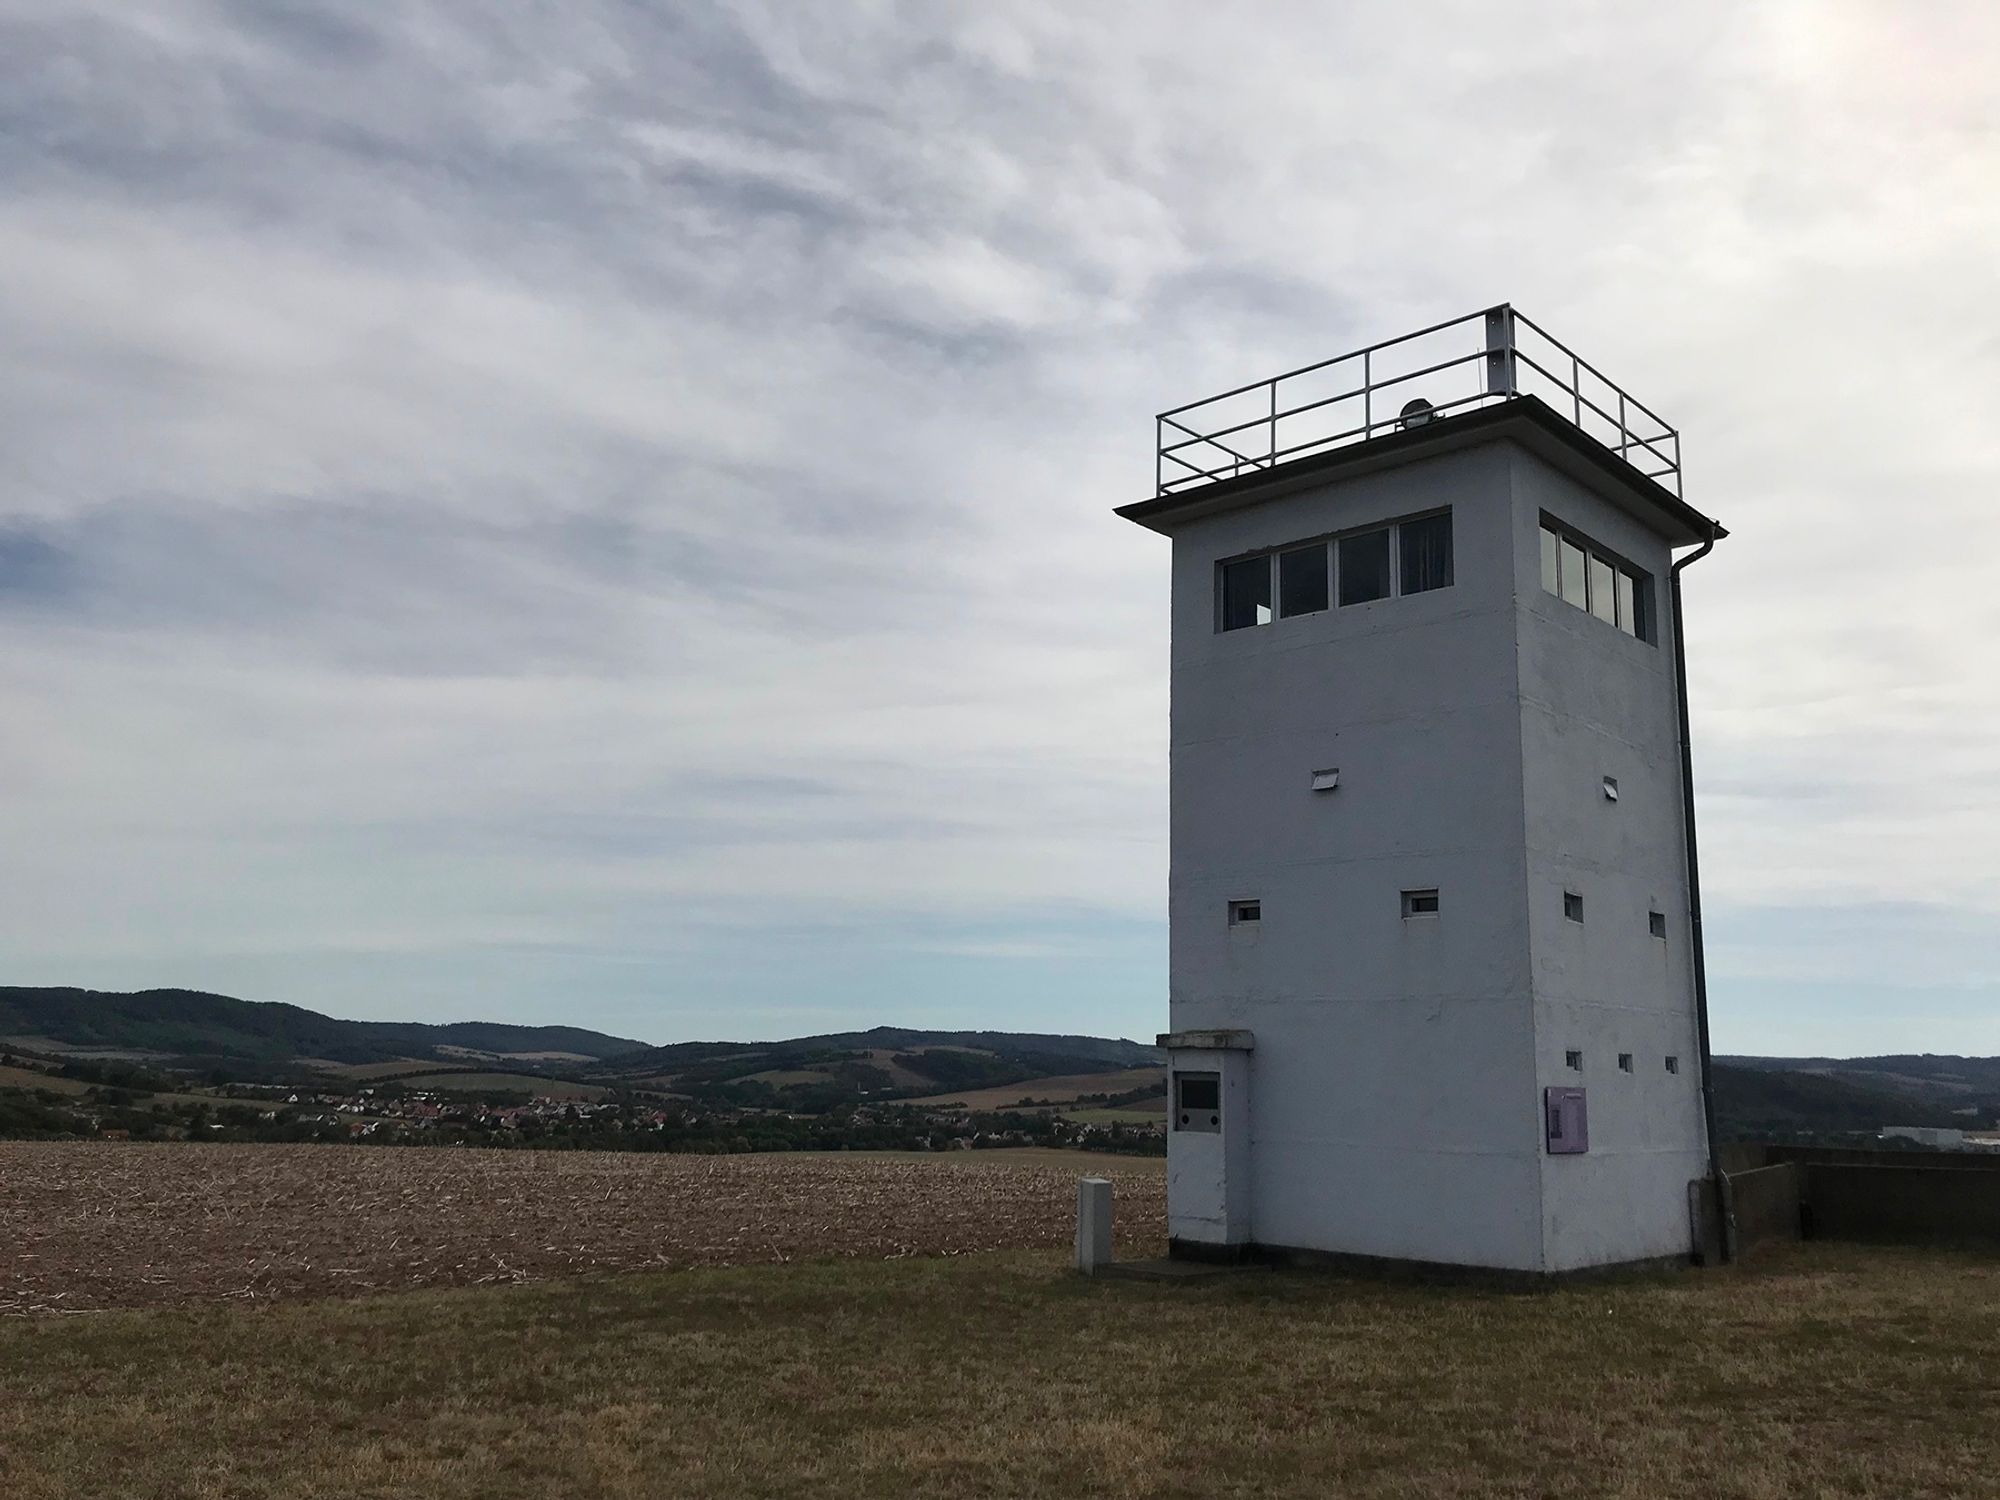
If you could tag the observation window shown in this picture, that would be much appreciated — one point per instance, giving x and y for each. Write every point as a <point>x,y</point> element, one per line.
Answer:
<point>1578,571</point>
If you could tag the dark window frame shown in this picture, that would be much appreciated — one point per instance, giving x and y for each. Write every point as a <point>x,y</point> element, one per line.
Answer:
<point>1628,580</point>
<point>1332,543</point>
<point>1445,562</point>
<point>1324,550</point>
<point>1224,598</point>
<point>1350,545</point>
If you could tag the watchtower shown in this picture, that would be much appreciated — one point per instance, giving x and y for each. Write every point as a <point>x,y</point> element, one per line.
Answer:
<point>1436,987</point>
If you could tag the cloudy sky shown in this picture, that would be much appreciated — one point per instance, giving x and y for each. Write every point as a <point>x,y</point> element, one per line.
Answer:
<point>600,512</point>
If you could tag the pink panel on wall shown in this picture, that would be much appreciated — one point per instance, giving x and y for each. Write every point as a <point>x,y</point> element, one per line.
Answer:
<point>1565,1121</point>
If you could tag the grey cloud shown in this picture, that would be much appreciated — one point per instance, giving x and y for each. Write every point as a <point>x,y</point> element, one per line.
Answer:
<point>541,473</point>
<point>33,570</point>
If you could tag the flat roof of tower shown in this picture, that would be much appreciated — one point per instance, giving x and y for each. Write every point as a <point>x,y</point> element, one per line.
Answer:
<point>1491,375</point>
<point>1524,419</point>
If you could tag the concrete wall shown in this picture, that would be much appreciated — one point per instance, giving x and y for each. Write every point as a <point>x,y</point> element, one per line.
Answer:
<point>1766,1203</point>
<point>1396,1083</point>
<point>1595,702</point>
<point>1392,1083</point>
<point>1915,1203</point>
<point>1862,1156</point>
<point>1841,1192</point>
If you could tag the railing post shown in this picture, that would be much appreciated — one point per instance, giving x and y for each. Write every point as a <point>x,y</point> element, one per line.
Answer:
<point>1159,457</point>
<point>1576,387</point>
<point>1367,395</point>
<point>1274,425</point>
<point>1500,367</point>
<point>1622,444</point>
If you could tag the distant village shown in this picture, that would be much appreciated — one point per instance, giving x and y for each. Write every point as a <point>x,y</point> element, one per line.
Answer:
<point>368,1112</point>
<point>397,1114</point>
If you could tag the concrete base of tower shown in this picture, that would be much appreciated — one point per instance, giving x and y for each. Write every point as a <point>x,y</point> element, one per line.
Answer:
<point>1384,1268</point>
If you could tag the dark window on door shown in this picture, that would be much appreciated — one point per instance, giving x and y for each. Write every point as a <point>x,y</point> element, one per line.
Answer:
<point>1200,1090</point>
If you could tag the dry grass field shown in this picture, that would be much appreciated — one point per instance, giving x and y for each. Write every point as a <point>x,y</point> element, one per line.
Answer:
<point>86,1226</point>
<point>1060,1089</point>
<point>1822,1371</point>
<point>463,1081</point>
<point>35,1078</point>
<point>55,1083</point>
<point>364,1072</point>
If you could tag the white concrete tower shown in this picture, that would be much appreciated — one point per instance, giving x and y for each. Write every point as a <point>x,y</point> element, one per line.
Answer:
<point>1435,961</point>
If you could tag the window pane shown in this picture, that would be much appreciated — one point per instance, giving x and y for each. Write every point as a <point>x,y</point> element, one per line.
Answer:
<point>1602,593</point>
<point>1574,589</point>
<point>1200,1090</point>
<point>1551,577</point>
<point>1246,592</point>
<point>1364,567</point>
<point>1426,547</point>
<point>1302,580</point>
<point>1628,616</point>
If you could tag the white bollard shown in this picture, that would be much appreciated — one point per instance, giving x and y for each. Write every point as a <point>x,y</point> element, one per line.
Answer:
<point>1093,1224</point>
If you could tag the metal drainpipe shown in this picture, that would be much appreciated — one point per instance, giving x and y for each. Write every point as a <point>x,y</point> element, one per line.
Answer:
<point>1724,1205</point>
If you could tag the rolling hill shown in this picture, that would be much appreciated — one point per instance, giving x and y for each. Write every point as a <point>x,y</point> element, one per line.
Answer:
<point>1756,1097</point>
<point>189,1029</point>
<point>194,1027</point>
<point>888,1062</point>
<point>1929,1076</point>
<point>1776,1103</point>
<point>1041,1052</point>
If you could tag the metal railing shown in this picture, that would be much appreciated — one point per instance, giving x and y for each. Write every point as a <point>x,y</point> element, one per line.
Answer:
<point>1348,399</point>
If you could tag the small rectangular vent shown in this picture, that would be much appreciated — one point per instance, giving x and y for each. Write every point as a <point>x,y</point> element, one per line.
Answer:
<point>1241,912</point>
<point>1420,903</point>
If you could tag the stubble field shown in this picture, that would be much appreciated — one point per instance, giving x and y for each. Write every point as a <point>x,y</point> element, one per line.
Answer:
<point>89,1226</point>
<point>892,1367</point>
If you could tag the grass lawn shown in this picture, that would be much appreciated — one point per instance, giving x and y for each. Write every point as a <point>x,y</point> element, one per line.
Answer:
<point>1824,1371</point>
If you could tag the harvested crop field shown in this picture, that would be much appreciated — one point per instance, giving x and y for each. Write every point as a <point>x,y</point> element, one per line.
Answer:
<point>91,1225</point>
